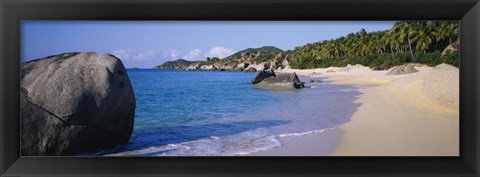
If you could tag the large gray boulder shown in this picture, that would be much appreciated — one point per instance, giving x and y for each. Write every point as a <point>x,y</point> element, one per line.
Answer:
<point>75,102</point>
<point>402,69</point>
<point>277,81</point>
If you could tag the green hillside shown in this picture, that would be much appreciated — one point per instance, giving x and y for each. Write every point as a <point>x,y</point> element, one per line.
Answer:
<point>176,64</point>
<point>266,53</point>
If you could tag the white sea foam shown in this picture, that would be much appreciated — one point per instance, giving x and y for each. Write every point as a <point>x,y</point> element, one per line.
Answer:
<point>272,142</point>
<point>351,89</point>
<point>218,146</point>
<point>290,135</point>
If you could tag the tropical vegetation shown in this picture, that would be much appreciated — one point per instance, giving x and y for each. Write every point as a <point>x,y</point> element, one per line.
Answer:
<point>407,41</point>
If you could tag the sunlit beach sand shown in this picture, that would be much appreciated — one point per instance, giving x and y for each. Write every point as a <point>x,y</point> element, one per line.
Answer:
<point>413,114</point>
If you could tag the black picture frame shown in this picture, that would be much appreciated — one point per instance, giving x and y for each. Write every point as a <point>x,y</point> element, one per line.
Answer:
<point>14,11</point>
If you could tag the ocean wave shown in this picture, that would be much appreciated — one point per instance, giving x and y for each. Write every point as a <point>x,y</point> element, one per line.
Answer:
<point>228,118</point>
<point>218,146</point>
<point>351,89</point>
<point>290,135</point>
<point>329,88</point>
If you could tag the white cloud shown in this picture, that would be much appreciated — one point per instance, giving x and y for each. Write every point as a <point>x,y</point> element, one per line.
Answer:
<point>220,52</point>
<point>175,53</point>
<point>131,55</point>
<point>123,54</point>
<point>153,56</point>
<point>193,55</point>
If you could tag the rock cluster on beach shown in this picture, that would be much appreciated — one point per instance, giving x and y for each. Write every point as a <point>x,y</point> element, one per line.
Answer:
<point>402,69</point>
<point>276,81</point>
<point>354,68</point>
<point>75,102</point>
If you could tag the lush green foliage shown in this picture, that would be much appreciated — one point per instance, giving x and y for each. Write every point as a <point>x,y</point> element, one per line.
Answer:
<point>263,49</point>
<point>406,41</point>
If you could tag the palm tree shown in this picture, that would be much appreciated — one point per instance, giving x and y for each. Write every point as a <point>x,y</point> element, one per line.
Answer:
<point>450,29</point>
<point>434,32</point>
<point>419,35</point>
<point>405,31</point>
<point>399,34</point>
<point>390,40</point>
<point>410,32</point>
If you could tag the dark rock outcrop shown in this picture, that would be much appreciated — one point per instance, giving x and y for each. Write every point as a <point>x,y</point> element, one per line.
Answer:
<point>75,102</point>
<point>277,81</point>
<point>450,48</point>
<point>402,69</point>
<point>261,75</point>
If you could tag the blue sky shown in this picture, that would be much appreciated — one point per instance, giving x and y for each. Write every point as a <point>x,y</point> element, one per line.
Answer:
<point>146,44</point>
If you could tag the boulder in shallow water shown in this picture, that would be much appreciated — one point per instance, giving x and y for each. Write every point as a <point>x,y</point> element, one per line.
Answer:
<point>261,75</point>
<point>279,81</point>
<point>75,102</point>
<point>402,69</point>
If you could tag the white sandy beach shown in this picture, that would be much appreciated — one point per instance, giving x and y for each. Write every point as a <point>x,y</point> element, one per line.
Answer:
<point>413,114</point>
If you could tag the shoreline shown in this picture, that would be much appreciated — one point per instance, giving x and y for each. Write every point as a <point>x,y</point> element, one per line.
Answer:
<point>413,114</point>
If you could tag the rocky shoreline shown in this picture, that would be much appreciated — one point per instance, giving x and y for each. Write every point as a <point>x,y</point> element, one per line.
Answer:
<point>249,60</point>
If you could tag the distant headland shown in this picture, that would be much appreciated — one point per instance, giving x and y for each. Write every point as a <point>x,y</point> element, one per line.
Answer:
<point>424,42</point>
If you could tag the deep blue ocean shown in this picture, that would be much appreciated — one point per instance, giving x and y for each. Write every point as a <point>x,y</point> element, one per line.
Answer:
<point>201,113</point>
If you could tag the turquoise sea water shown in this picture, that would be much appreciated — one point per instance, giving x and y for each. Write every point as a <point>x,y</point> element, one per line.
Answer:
<point>199,113</point>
